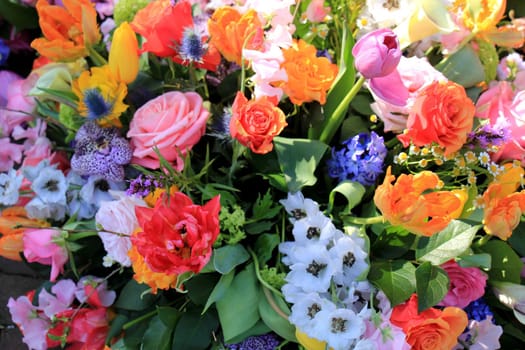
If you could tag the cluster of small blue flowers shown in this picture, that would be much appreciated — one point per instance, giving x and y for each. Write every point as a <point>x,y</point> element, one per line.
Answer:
<point>478,310</point>
<point>325,263</point>
<point>143,185</point>
<point>260,342</point>
<point>360,159</point>
<point>100,151</point>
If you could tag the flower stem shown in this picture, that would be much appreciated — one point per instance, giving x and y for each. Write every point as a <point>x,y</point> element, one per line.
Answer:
<point>139,319</point>
<point>257,273</point>
<point>365,221</point>
<point>97,59</point>
<point>334,121</point>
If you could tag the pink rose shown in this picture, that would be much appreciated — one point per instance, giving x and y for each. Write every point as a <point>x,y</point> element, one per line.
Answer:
<point>466,284</point>
<point>395,93</point>
<point>377,53</point>
<point>40,247</point>
<point>172,122</point>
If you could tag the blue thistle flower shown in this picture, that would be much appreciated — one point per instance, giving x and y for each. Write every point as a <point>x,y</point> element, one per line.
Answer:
<point>100,151</point>
<point>191,48</point>
<point>97,106</point>
<point>360,159</point>
<point>258,342</point>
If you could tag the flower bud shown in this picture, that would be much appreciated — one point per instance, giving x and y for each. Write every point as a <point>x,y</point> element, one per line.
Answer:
<point>123,55</point>
<point>377,53</point>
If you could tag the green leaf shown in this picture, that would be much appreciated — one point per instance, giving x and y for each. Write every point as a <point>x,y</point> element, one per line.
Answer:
<point>168,315</point>
<point>116,327</point>
<point>432,285</point>
<point>200,287</point>
<point>220,289</point>
<point>157,336</point>
<point>393,242</point>
<point>353,192</point>
<point>482,260</point>
<point>226,258</point>
<point>133,297</point>
<point>258,227</point>
<point>453,241</point>
<point>264,246</point>
<point>396,278</point>
<point>238,310</point>
<point>506,264</point>
<point>66,97</point>
<point>194,331</point>
<point>276,322</point>
<point>259,328</point>
<point>298,159</point>
<point>265,207</point>
<point>133,337</point>
<point>489,58</point>
<point>517,240</point>
<point>22,17</point>
<point>463,67</point>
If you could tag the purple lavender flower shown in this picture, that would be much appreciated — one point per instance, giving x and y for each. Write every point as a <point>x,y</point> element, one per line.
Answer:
<point>360,159</point>
<point>490,135</point>
<point>259,342</point>
<point>143,185</point>
<point>100,151</point>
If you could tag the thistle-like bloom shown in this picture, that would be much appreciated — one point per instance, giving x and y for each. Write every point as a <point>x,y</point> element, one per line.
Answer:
<point>361,159</point>
<point>68,30</point>
<point>100,96</point>
<point>409,204</point>
<point>100,151</point>
<point>124,54</point>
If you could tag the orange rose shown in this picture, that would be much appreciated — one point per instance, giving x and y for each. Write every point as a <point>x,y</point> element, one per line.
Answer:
<point>309,76</point>
<point>12,222</point>
<point>431,329</point>
<point>231,32</point>
<point>67,30</point>
<point>503,205</point>
<point>408,203</point>
<point>442,113</point>
<point>256,122</point>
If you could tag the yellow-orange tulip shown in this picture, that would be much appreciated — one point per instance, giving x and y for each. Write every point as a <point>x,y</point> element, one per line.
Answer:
<point>68,31</point>
<point>124,54</point>
<point>409,204</point>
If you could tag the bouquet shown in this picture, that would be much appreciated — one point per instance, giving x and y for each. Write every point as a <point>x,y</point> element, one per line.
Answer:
<point>277,174</point>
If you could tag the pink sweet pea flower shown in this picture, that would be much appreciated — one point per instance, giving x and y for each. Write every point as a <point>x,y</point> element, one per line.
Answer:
<point>6,79</point>
<point>377,53</point>
<point>61,299</point>
<point>33,327</point>
<point>316,11</point>
<point>93,290</point>
<point>10,153</point>
<point>40,246</point>
<point>19,104</point>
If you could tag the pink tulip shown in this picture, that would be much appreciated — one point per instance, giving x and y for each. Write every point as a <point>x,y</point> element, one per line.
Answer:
<point>377,53</point>
<point>40,246</point>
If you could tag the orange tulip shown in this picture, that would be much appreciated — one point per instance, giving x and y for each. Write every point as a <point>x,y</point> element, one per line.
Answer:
<point>408,203</point>
<point>13,223</point>
<point>503,205</point>
<point>231,32</point>
<point>68,31</point>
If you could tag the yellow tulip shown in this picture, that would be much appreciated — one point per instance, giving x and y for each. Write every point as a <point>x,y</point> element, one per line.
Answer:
<point>309,343</point>
<point>123,55</point>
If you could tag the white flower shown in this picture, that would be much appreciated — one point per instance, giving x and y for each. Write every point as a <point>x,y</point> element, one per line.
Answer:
<point>298,207</point>
<point>313,269</point>
<point>317,227</point>
<point>50,185</point>
<point>350,258</point>
<point>38,209</point>
<point>482,335</point>
<point>305,310</point>
<point>9,185</point>
<point>340,328</point>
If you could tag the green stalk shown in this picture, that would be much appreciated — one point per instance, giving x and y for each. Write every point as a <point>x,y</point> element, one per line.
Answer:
<point>365,221</point>
<point>336,119</point>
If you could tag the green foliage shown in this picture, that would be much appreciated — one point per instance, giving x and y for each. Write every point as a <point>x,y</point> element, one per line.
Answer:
<point>352,191</point>
<point>264,246</point>
<point>432,285</point>
<point>273,277</point>
<point>506,264</point>
<point>232,220</point>
<point>194,330</point>
<point>135,297</point>
<point>22,17</point>
<point>226,258</point>
<point>463,66</point>
<point>276,321</point>
<point>396,278</point>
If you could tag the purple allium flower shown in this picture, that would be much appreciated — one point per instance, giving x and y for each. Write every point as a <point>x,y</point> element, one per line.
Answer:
<point>143,185</point>
<point>361,159</point>
<point>100,151</point>
<point>259,342</point>
<point>478,310</point>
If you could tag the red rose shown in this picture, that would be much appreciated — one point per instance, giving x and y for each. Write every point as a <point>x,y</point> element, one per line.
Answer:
<point>177,235</point>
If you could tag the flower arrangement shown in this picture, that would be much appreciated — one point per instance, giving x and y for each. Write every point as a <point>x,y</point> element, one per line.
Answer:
<point>277,174</point>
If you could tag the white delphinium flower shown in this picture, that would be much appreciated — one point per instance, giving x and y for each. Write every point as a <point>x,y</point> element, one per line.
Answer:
<point>481,335</point>
<point>298,207</point>
<point>351,259</point>
<point>355,295</point>
<point>317,227</point>
<point>50,185</point>
<point>38,209</point>
<point>313,268</point>
<point>340,328</point>
<point>305,310</point>
<point>10,183</point>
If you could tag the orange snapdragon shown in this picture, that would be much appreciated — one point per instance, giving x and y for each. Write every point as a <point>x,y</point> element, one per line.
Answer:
<point>68,31</point>
<point>309,77</point>
<point>409,204</point>
<point>503,206</point>
<point>231,32</point>
<point>13,223</point>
